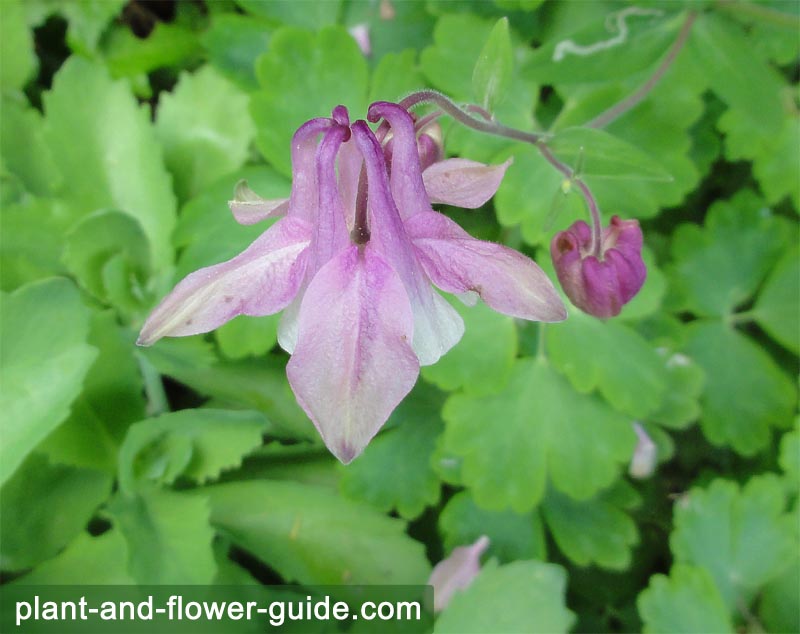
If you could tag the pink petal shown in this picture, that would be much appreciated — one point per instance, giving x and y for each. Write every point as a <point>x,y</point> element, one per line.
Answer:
<point>456,572</point>
<point>248,208</point>
<point>353,362</point>
<point>506,280</point>
<point>408,190</point>
<point>350,162</point>
<point>304,199</point>
<point>261,280</point>
<point>437,325</point>
<point>463,183</point>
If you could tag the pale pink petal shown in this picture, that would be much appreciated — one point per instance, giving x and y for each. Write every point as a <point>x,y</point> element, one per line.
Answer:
<point>304,199</point>
<point>248,208</point>
<point>330,235</point>
<point>261,280</point>
<point>407,187</point>
<point>330,230</point>
<point>645,456</point>
<point>353,362</point>
<point>463,183</point>
<point>360,33</point>
<point>456,572</point>
<point>350,162</point>
<point>506,280</point>
<point>437,325</point>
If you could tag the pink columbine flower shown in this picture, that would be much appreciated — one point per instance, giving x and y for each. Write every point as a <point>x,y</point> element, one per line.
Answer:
<point>601,280</point>
<point>352,265</point>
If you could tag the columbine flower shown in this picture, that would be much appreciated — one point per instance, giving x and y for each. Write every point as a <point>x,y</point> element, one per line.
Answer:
<point>601,280</point>
<point>456,572</point>
<point>353,264</point>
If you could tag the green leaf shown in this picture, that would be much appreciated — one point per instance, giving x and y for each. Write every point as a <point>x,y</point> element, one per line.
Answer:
<point>649,299</point>
<point>774,154</point>
<point>23,149</point>
<point>598,52</point>
<point>111,400</point>
<point>472,364</point>
<point>310,535</point>
<point>450,62</point>
<point>537,427</point>
<point>96,239</point>
<point>685,382</point>
<point>326,69</point>
<point>197,444</point>
<point>661,126</point>
<point>43,507</point>
<point>87,560</point>
<point>720,48</point>
<point>246,336</point>
<point>603,155</point>
<point>205,129</point>
<point>404,451</point>
<point>43,360</point>
<point>790,454</point>
<point>207,232</point>
<point>308,15</point>
<point>16,47</point>
<point>742,537</point>
<point>779,605</point>
<point>739,407</point>
<point>395,75</point>
<point>168,535</point>
<point>530,193</point>
<point>258,384</point>
<point>31,251</point>
<point>87,20</point>
<point>523,596</point>
<point>610,357</point>
<point>105,147</point>
<point>686,602</point>
<point>719,267</point>
<point>777,309</point>
<point>233,43</point>
<point>495,66</point>
<point>167,45</point>
<point>594,531</point>
<point>511,535</point>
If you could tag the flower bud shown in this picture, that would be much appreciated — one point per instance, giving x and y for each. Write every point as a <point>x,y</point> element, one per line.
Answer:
<point>600,283</point>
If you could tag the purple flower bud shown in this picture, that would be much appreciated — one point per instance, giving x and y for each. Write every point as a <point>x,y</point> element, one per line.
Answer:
<point>600,283</point>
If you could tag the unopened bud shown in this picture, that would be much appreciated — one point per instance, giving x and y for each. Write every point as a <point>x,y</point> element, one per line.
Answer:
<point>600,283</point>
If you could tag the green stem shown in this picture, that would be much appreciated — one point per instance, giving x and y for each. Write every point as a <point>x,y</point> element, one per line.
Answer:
<point>153,387</point>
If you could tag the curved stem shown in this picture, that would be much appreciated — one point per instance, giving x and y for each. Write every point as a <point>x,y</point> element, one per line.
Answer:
<point>451,108</point>
<point>491,126</point>
<point>591,203</point>
<point>634,99</point>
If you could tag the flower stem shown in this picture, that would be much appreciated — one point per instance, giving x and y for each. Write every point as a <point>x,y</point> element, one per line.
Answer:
<point>463,117</point>
<point>635,98</point>
<point>488,125</point>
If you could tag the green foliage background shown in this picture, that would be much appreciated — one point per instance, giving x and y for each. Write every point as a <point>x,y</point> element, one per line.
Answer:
<point>124,127</point>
